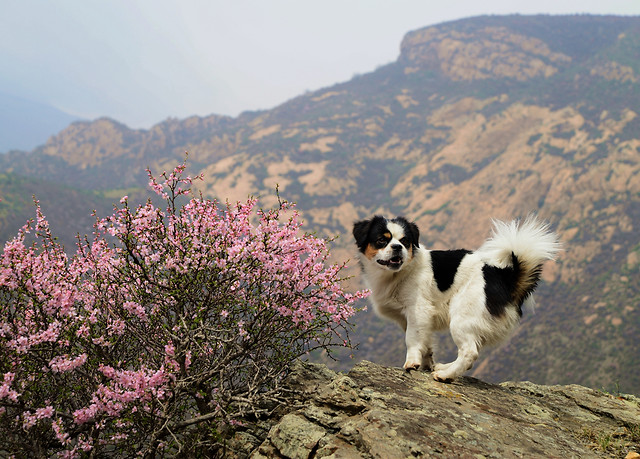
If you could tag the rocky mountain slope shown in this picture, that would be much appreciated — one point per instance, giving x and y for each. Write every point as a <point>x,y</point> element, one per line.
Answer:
<point>381,412</point>
<point>488,117</point>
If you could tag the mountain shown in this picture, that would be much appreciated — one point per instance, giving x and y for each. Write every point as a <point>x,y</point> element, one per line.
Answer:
<point>481,118</point>
<point>25,124</point>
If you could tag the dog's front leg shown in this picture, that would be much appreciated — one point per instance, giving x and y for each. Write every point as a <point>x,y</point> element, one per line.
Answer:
<point>418,339</point>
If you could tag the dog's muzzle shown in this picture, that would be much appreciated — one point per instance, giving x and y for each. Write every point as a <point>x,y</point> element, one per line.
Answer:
<point>395,262</point>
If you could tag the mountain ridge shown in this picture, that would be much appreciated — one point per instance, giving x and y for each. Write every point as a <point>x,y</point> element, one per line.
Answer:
<point>487,117</point>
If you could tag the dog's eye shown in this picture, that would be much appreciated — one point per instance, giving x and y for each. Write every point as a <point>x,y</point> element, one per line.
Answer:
<point>381,242</point>
<point>405,241</point>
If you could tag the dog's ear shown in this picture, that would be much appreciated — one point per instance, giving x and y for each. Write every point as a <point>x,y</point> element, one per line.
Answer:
<point>361,233</point>
<point>415,234</point>
<point>411,229</point>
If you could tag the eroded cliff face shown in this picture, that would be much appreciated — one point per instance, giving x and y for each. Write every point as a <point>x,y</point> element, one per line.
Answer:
<point>380,412</point>
<point>501,53</point>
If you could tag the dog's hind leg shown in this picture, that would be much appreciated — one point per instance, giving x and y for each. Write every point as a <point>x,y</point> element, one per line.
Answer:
<point>464,334</point>
<point>467,355</point>
<point>441,366</point>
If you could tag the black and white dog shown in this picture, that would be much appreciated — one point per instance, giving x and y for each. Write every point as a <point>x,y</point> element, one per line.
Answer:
<point>478,295</point>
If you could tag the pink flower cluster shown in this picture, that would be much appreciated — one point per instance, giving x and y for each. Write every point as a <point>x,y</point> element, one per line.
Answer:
<point>125,387</point>
<point>145,331</point>
<point>5,389</point>
<point>62,363</point>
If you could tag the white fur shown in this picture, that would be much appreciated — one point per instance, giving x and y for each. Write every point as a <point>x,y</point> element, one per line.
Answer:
<point>530,240</point>
<point>410,296</point>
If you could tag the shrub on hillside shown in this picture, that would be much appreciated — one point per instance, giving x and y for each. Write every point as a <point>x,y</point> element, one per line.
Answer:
<point>162,342</point>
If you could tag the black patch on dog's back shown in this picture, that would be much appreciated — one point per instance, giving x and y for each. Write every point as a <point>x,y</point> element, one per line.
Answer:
<point>444,264</point>
<point>500,286</point>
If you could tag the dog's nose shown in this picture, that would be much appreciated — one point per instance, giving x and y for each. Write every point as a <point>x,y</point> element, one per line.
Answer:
<point>396,247</point>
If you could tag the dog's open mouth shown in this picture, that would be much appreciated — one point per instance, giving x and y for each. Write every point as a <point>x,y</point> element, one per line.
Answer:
<point>393,262</point>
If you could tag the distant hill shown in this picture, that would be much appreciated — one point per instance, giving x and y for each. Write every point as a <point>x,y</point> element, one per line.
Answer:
<point>25,124</point>
<point>68,210</point>
<point>487,117</point>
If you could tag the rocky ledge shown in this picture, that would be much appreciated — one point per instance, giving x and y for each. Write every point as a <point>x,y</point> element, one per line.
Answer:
<point>380,412</point>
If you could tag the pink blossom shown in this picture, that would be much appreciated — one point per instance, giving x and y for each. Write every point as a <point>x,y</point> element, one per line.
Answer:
<point>83,331</point>
<point>44,413</point>
<point>116,326</point>
<point>58,429</point>
<point>135,309</point>
<point>64,363</point>
<point>84,415</point>
<point>28,420</point>
<point>241,331</point>
<point>5,388</point>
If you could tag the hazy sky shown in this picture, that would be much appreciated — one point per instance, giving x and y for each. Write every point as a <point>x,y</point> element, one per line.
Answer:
<point>142,61</point>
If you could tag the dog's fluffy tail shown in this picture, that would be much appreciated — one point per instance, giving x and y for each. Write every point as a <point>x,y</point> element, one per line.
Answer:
<point>523,245</point>
<point>529,240</point>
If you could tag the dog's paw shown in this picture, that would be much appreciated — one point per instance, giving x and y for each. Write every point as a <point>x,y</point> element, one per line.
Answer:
<point>441,376</point>
<point>408,365</point>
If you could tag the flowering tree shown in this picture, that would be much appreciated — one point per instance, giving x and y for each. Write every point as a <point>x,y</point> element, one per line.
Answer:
<point>161,342</point>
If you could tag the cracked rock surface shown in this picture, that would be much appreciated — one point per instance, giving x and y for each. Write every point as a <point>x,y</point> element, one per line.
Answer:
<point>380,412</point>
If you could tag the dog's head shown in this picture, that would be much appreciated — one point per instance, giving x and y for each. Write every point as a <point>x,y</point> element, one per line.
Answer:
<point>389,244</point>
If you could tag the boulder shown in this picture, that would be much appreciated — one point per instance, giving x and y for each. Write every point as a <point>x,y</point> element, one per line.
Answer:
<point>380,412</point>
